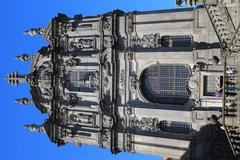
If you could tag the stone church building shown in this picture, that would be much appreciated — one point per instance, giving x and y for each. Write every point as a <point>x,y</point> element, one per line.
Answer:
<point>149,82</point>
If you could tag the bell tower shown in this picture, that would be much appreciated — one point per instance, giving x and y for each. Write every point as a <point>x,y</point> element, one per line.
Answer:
<point>153,82</point>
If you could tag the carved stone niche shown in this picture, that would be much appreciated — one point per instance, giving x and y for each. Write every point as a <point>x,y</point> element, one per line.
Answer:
<point>81,118</point>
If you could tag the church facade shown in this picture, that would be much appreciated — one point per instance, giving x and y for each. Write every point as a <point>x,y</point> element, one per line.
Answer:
<point>140,82</point>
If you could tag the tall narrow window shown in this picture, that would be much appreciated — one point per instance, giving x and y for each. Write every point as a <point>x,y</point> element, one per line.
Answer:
<point>166,83</point>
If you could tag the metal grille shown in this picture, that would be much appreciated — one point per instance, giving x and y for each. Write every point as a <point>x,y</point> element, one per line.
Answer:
<point>166,84</point>
<point>175,126</point>
<point>212,83</point>
<point>177,41</point>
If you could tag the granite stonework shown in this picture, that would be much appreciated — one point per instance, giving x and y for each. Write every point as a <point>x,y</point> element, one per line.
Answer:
<point>140,82</point>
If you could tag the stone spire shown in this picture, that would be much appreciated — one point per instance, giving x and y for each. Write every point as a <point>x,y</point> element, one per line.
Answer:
<point>35,128</point>
<point>24,57</point>
<point>24,101</point>
<point>35,31</point>
<point>14,78</point>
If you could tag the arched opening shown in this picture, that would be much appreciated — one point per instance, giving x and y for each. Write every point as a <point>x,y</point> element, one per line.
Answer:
<point>166,83</point>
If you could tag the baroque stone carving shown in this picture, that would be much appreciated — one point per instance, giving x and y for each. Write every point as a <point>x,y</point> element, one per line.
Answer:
<point>145,123</point>
<point>146,41</point>
<point>133,81</point>
<point>122,78</point>
<point>129,143</point>
<point>106,137</point>
<point>105,82</point>
<point>81,44</point>
<point>72,62</point>
<point>131,20</point>
<point>94,81</point>
<point>130,56</point>
<point>107,23</point>
<point>81,118</point>
<point>72,99</point>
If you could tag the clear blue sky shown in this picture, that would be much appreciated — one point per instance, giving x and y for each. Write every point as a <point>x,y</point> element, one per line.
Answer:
<point>17,143</point>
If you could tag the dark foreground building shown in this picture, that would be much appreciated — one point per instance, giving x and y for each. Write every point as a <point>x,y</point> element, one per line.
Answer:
<point>156,82</point>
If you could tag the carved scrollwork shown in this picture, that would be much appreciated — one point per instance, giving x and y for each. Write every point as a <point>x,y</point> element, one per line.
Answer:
<point>134,40</point>
<point>122,78</point>
<point>146,41</point>
<point>150,41</point>
<point>72,62</point>
<point>129,110</point>
<point>106,138</point>
<point>72,99</point>
<point>105,82</point>
<point>82,43</point>
<point>94,81</point>
<point>107,23</point>
<point>130,56</point>
<point>133,81</point>
<point>130,22</point>
<point>146,124</point>
<point>129,142</point>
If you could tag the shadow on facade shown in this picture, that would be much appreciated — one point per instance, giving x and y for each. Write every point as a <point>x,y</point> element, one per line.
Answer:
<point>210,143</point>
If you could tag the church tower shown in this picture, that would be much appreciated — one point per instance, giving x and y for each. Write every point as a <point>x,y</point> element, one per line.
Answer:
<point>153,82</point>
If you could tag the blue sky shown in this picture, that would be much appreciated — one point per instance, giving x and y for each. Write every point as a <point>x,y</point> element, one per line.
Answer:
<point>17,16</point>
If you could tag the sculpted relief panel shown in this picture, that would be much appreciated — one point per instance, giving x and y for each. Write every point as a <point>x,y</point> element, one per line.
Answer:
<point>146,41</point>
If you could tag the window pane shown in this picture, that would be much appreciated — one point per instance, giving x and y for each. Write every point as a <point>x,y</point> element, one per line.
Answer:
<point>166,83</point>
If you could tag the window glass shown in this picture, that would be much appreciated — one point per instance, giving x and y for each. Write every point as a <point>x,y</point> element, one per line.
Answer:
<point>166,84</point>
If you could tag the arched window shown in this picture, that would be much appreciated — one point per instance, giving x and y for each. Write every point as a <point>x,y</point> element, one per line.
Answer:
<point>166,83</point>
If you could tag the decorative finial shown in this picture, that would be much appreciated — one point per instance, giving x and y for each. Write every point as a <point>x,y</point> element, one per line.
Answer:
<point>14,78</point>
<point>187,2</point>
<point>24,57</point>
<point>35,128</point>
<point>24,101</point>
<point>35,31</point>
